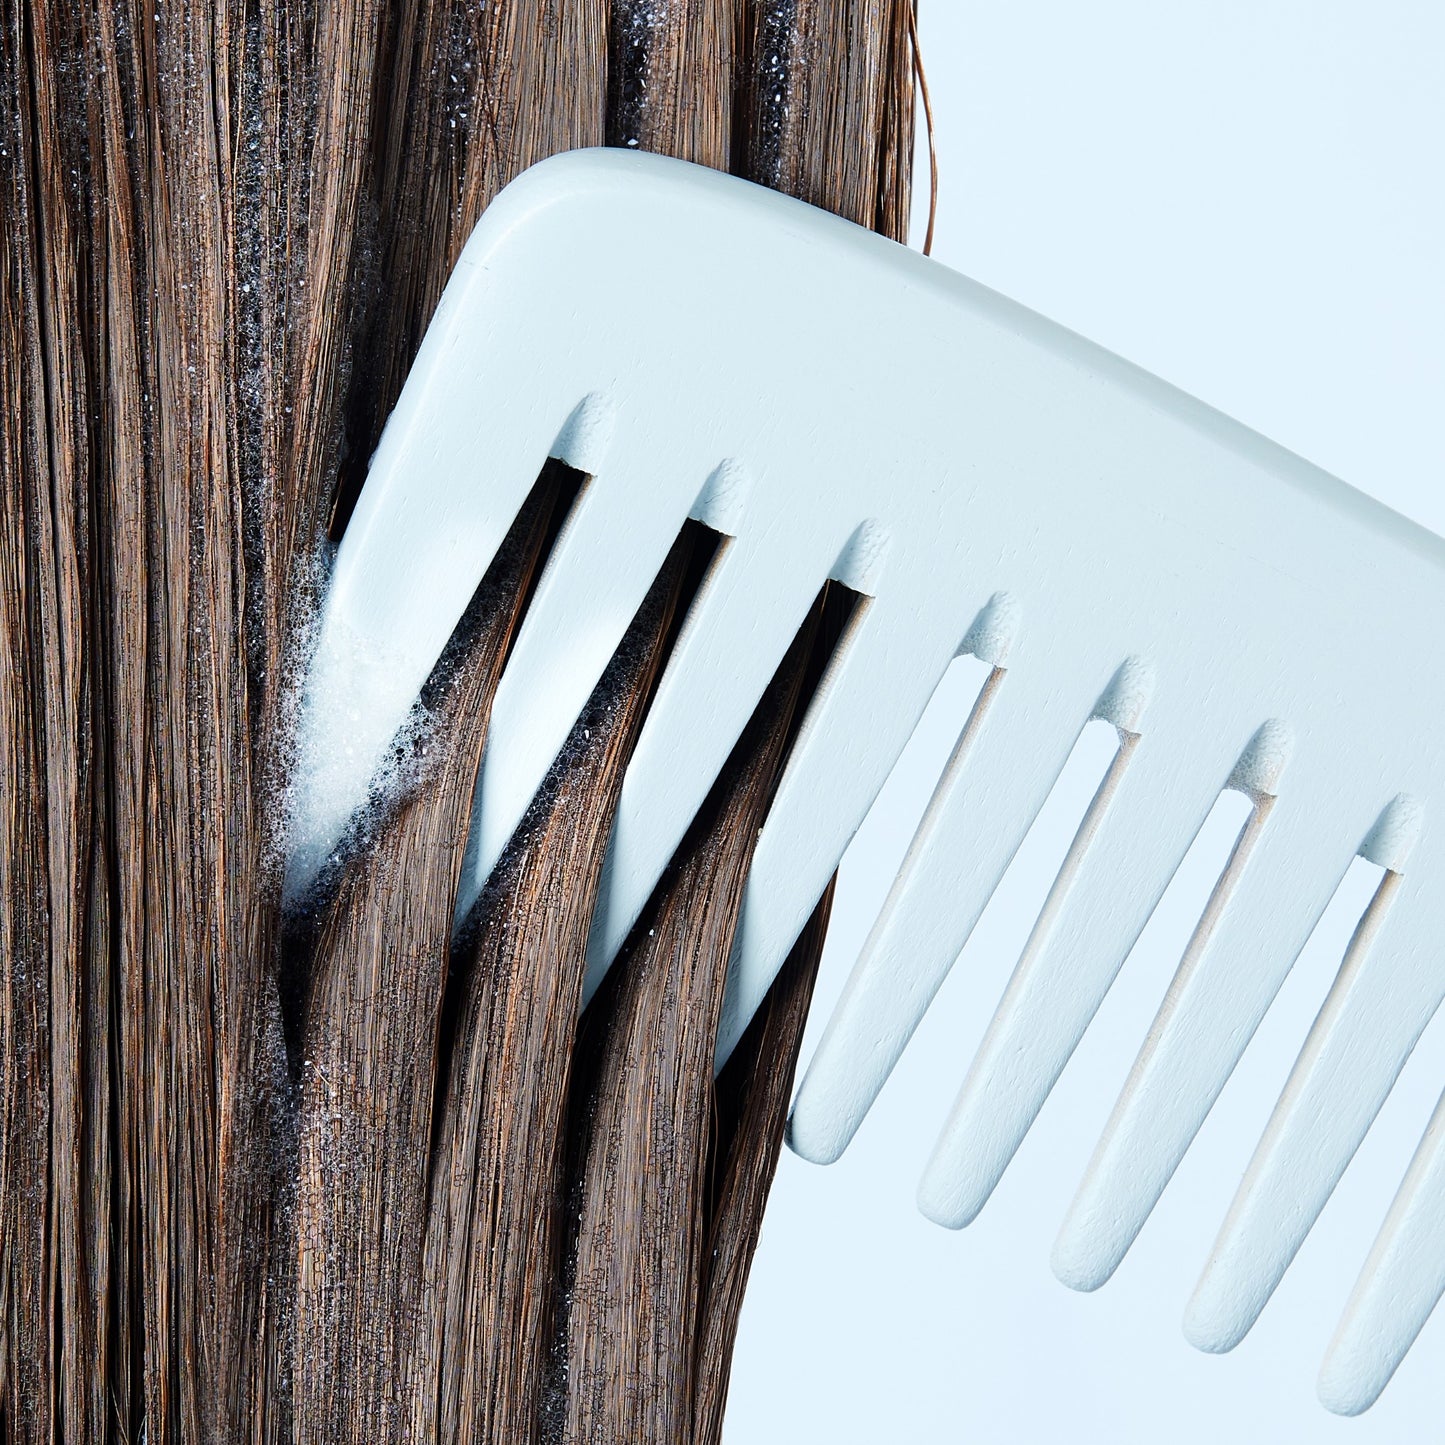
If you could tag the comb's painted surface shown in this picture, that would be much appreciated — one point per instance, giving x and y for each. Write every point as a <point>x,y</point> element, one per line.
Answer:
<point>1111,547</point>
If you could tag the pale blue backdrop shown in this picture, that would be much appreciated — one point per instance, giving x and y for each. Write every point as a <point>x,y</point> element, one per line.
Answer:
<point>1245,198</point>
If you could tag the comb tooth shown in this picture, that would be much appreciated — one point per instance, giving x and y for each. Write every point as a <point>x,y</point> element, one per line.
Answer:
<point>723,661</point>
<point>600,570</point>
<point>1140,825</point>
<point>1285,869</point>
<point>841,757</point>
<point>444,487</point>
<point>1401,1283</point>
<point>1380,1001</point>
<point>1009,757</point>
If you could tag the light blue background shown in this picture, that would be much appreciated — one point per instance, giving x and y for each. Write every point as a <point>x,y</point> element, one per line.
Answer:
<point>1246,199</point>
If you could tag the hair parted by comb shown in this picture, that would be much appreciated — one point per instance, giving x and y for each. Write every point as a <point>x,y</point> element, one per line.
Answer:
<point>337,1178</point>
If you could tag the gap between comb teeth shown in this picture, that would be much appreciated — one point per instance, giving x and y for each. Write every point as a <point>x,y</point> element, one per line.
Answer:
<point>1138,828</point>
<point>1017,717</point>
<point>1078,1260</point>
<point>1303,1151</point>
<point>1217,998</point>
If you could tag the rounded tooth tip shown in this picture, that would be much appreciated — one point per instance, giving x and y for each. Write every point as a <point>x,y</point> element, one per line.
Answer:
<point>943,1206</point>
<point>1078,1267</point>
<point>1210,1326</point>
<point>812,1141</point>
<point>1345,1388</point>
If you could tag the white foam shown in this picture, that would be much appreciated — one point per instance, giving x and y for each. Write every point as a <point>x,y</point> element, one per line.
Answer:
<point>344,756</point>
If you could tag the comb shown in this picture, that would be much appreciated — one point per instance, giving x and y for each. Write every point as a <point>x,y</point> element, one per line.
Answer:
<point>990,484</point>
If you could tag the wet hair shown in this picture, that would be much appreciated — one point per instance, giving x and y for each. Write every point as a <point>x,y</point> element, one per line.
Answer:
<point>339,1177</point>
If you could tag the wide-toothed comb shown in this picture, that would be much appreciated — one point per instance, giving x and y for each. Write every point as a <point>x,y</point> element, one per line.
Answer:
<point>991,484</point>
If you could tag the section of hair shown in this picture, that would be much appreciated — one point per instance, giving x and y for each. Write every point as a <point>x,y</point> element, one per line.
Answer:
<point>752,1101</point>
<point>469,96</point>
<point>673,73</point>
<point>634,1286</point>
<point>226,229</point>
<point>494,1223</point>
<point>55,1034</point>
<point>828,107</point>
<point>368,1066</point>
<point>669,1173</point>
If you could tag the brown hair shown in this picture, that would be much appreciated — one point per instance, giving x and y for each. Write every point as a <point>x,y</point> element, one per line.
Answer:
<point>340,1178</point>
